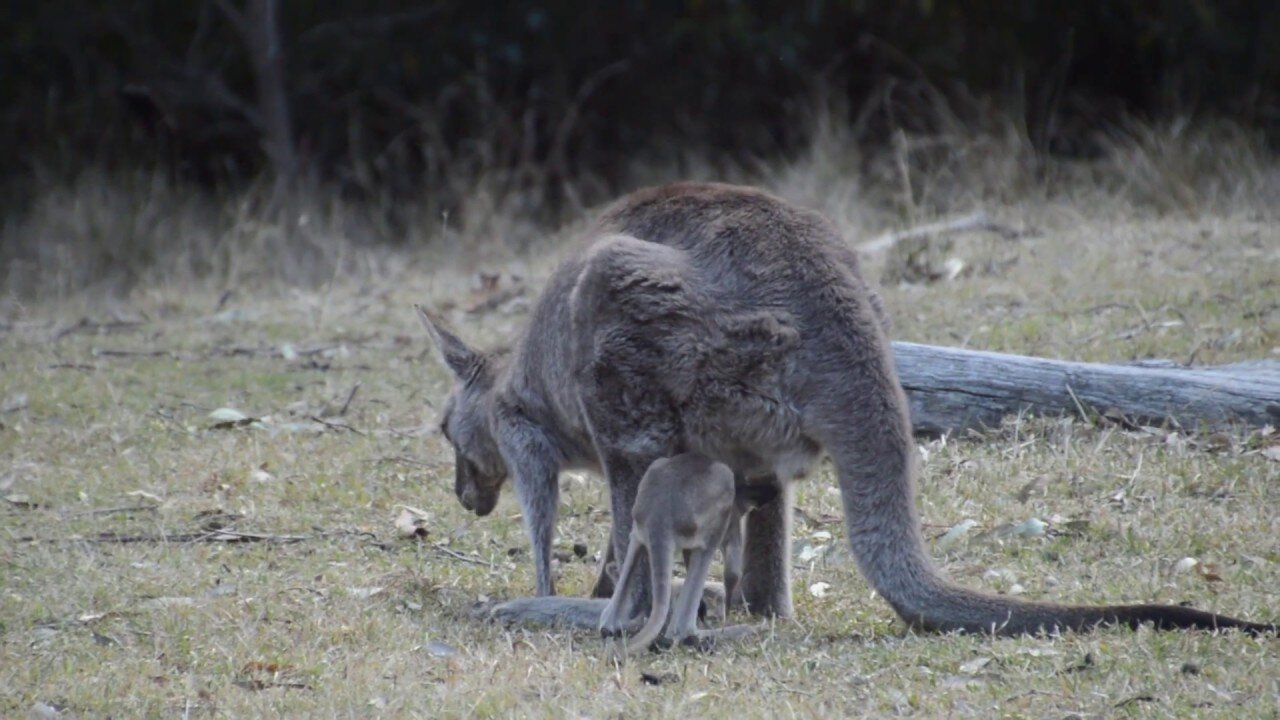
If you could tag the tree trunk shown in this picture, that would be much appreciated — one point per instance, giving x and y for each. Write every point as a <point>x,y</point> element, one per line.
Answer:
<point>951,389</point>
<point>258,25</point>
<point>266,50</point>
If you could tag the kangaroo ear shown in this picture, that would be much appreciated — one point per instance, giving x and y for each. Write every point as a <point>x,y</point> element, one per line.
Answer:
<point>460,358</point>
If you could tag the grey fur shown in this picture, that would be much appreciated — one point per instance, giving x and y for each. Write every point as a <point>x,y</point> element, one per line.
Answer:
<point>725,321</point>
<point>747,498</point>
<point>684,503</point>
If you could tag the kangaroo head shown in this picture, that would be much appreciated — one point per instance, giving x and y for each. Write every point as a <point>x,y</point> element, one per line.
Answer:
<point>480,469</point>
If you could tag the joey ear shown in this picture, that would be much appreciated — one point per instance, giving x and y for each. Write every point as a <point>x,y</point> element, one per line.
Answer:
<point>460,358</point>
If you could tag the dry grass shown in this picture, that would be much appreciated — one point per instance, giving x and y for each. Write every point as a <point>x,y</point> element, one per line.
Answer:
<point>354,621</point>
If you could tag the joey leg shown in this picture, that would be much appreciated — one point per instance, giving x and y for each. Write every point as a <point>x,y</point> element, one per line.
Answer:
<point>684,619</point>
<point>619,610</point>
<point>766,576</point>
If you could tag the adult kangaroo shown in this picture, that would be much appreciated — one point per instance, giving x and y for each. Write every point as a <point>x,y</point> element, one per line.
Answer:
<point>724,321</point>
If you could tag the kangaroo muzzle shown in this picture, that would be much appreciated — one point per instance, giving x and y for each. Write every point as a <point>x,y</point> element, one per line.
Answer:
<point>473,495</point>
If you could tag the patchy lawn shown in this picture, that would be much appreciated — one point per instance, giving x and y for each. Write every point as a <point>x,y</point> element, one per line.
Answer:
<point>162,559</point>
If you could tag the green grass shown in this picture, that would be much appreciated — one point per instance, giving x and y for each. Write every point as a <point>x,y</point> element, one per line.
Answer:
<point>355,621</point>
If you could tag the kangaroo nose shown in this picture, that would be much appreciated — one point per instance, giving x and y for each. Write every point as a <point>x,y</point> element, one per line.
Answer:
<point>468,498</point>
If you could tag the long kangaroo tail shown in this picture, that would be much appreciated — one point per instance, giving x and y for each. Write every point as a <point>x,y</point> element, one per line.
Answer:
<point>660,568</point>
<point>860,415</point>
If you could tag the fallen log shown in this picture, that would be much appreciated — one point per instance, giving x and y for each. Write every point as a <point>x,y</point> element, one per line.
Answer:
<point>950,389</point>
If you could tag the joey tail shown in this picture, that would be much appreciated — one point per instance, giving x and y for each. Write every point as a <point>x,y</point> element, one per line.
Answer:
<point>874,457</point>
<point>660,569</point>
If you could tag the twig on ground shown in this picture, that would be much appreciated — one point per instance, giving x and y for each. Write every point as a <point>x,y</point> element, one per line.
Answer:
<point>1135,699</point>
<point>976,222</point>
<point>110,352</point>
<point>87,325</point>
<point>227,536</point>
<point>473,559</point>
<point>404,460</point>
<point>334,425</point>
<point>111,510</point>
<point>71,366</point>
<point>168,418</point>
<point>350,396</point>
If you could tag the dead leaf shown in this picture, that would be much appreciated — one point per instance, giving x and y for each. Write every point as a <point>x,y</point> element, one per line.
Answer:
<point>493,290</point>
<point>1031,527</point>
<point>14,403</point>
<point>809,553</point>
<point>1208,572</point>
<point>1272,453</point>
<point>144,495</point>
<point>257,675</point>
<point>659,679</point>
<point>224,418</point>
<point>1185,564</point>
<point>441,650</point>
<point>210,520</point>
<point>1086,663</point>
<point>159,603</point>
<point>412,522</point>
<point>956,532</point>
<point>1120,499</point>
<point>45,711</point>
<point>952,268</point>
<point>972,667</point>
<point>21,501</point>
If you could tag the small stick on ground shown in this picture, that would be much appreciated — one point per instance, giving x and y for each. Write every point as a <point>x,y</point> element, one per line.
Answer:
<point>111,352</point>
<point>112,510</point>
<point>334,425</point>
<point>462,557</point>
<point>976,222</point>
<point>350,396</point>
<point>227,536</point>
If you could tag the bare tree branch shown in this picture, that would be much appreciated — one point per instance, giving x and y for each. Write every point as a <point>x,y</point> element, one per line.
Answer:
<point>236,17</point>
<point>380,25</point>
